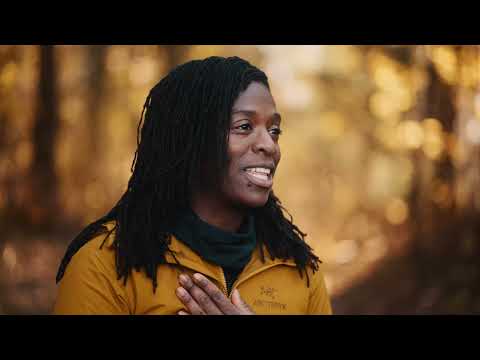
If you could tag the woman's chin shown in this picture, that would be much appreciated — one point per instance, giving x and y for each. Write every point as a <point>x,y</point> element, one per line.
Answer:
<point>254,201</point>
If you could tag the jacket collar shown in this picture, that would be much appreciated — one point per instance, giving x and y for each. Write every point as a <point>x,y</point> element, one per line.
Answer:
<point>188,258</point>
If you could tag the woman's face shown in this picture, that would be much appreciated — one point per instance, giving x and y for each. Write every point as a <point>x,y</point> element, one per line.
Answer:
<point>253,149</point>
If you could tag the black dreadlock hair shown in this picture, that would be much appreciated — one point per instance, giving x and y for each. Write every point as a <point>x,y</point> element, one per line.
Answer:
<point>186,119</point>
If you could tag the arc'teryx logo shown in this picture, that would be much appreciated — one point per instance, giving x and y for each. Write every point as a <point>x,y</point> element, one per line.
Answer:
<point>272,294</point>
<point>268,291</point>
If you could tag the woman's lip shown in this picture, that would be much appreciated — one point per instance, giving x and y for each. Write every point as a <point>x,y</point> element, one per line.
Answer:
<point>260,182</point>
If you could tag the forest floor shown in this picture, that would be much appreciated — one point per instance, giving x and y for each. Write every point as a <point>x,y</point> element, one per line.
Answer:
<point>27,274</point>
<point>397,286</point>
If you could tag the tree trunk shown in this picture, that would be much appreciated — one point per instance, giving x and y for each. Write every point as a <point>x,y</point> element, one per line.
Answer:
<point>96,79</point>
<point>44,207</point>
<point>88,166</point>
<point>439,103</point>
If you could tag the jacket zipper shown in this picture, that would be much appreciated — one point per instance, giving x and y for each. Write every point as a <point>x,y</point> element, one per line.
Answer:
<point>224,283</point>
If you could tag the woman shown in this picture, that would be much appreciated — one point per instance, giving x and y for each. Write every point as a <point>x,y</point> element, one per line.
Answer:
<point>199,222</point>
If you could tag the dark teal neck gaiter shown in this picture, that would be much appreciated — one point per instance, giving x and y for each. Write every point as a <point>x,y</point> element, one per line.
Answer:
<point>230,250</point>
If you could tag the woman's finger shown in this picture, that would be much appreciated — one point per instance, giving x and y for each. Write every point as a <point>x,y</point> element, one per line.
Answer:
<point>214,293</point>
<point>201,298</point>
<point>237,300</point>
<point>189,302</point>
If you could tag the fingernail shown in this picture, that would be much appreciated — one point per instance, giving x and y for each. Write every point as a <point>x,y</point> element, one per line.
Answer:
<point>198,277</point>
<point>183,279</point>
<point>181,291</point>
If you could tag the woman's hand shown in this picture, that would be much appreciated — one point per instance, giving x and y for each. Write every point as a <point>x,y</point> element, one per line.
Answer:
<point>202,297</point>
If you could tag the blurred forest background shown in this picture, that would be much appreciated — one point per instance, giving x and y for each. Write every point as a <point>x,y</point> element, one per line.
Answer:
<point>381,142</point>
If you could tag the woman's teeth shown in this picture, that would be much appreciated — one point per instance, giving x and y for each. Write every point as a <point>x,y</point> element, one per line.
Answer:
<point>259,173</point>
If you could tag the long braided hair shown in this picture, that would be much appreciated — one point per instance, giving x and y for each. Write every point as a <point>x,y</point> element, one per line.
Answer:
<point>186,119</point>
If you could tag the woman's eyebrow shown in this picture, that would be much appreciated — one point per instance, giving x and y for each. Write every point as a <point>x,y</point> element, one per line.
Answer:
<point>275,116</point>
<point>244,112</point>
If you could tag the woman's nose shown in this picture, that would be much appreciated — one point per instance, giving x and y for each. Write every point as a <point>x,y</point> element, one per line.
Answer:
<point>264,143</point>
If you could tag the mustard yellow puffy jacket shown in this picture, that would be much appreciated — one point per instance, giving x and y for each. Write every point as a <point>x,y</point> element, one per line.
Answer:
<point>90,284</point>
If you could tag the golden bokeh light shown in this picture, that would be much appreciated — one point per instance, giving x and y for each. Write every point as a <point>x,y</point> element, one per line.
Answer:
<point>396,211</point>
<point>383,106</point>
<point>384,72</point>
<point>346,251</point>
<point>387,134</point>
<point>405,170</point>
<point>380,176</point>
<point>143,71</point>
<point>345,60</point>
<point>9,257</point>
<point>297,95</point>
<point>8,75</point>
<point>117,60</point>
<point>433,147</point>
<point>432,125</point>
<point>472,131</point>
<point>445,60</point>
<point>404,99</point>
<point>434,144</point>
<point>411,133</point>
<point>469,75</point>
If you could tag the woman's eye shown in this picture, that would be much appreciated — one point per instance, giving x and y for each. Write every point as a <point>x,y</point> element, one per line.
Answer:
<point>276,131</point>
<point>244,127</point>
